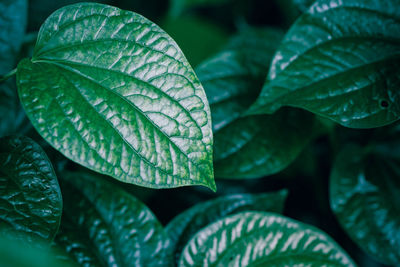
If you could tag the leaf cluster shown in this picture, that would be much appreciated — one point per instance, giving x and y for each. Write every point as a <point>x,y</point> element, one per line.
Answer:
<point>107,105</point>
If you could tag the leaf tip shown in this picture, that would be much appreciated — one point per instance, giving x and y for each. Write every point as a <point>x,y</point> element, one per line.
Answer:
<point>212,186</point>
<point>210,183</point>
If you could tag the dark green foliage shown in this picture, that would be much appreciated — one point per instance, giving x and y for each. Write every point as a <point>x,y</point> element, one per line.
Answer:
<point>186,224</point>
<point>287,107</point>
<point>89,99</point>
<point>365,196</point>
<point>114,228</point>
<point>30,198</point>
<point>262,239</point>
<point>251,146</point>
<point>340,60</point>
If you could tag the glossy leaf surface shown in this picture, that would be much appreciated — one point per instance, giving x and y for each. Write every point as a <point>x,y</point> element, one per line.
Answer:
<point>255,146</point>
<point>262,239</point>
<point>340,60</point>
<point>365,196</point>
<point>185,225</point>
<point>115,229</point>
<point>113,92</point>
<point>30,197</point>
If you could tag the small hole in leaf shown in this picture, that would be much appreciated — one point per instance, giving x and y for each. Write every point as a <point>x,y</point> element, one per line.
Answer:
<point>384,104</point>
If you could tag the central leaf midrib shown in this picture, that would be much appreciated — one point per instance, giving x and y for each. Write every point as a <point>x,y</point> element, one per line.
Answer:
<point>60,65</point>
<point>60,62</point>
<point>41,53</point>
<point>121,14</point>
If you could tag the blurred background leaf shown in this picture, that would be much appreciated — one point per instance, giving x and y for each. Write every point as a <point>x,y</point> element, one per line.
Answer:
<point>197,37</point>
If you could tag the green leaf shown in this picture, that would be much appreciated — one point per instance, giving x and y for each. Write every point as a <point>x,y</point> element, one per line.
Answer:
<point>255,146</point>
<point>76,246</point>
<point>204,40</point>
<point>189,222</point>
<point>30,198</point>
<point>365,197</point>
<point>257,47</point>
<point>340,60</point>
<point>114,227</point>
<point>113,92</point>
<point>262,239</point>
<point>13,22</point>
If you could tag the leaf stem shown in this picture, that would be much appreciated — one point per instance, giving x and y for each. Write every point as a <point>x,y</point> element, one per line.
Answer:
<point>8,75</point>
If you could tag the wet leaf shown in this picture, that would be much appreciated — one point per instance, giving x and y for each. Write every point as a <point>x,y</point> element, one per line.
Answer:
<point>253,146</point>
<point>365,197</point>
<point>186,224</point>
<point>113,92</point>
<point>115,229</point>
<point>339,60</point>
<point>30,197</point>
<point>262,239</point>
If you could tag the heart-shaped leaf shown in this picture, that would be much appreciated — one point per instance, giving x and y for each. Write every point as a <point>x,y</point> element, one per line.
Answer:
<point>113,92</point>
<point>254,146</point>
<point>186,224</point>
<point>341,60</point>
<point>115,229</point>
<point>262,239</point>
<point>30,198</point>
<point>365,196</point>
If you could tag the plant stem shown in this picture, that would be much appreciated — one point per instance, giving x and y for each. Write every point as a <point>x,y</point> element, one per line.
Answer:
<point>8,75</point>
